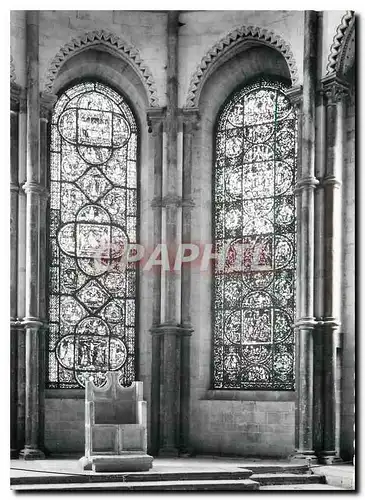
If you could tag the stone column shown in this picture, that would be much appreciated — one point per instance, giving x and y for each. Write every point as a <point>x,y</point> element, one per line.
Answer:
<point>306,183</point>
<point>21,244</point>
<point>168,354</point>
<point>14,189</point>
<point>190,121</point>
<point>155,119</point>
<point>319,208</point>
<point>33,191</point>
<point>47,102</point>
<point>333,90</point>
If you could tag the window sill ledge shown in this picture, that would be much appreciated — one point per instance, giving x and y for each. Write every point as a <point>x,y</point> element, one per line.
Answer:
<point>234,395</point>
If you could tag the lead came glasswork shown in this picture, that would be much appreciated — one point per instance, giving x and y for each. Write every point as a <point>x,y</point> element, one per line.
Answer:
<point>254,219</point>
<point>93,215</point>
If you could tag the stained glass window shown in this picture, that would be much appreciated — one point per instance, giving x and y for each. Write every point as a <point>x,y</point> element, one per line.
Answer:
<point>254,229</point>
<point>92,217</point>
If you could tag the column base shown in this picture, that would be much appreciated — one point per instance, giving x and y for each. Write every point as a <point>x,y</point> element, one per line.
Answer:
<point>329,458</point>
<point>31,454</point>
<point>304,457</point>
<point>14,453</point>
<point>168,451</point>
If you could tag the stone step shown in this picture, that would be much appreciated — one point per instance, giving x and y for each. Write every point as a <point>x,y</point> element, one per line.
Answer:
<point>90,477</point>
<point>188,485</point>
<point>277,468</point>
<point>300,487</point>
<point>287,479</point>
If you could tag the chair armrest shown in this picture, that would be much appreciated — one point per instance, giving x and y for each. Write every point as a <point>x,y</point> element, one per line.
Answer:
<point>142,413</point>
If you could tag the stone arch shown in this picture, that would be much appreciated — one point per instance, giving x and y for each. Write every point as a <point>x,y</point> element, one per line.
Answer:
<point>229,46</point>
<point>107,41</point>
<point>345,32</point>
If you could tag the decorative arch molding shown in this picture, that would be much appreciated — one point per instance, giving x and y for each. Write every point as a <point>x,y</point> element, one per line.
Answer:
<point>109,40</point>
<point>231,42</point>
<point>338,47</point>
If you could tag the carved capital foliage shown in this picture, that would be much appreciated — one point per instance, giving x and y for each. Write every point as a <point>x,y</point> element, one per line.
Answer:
<point>334,90</point>
<point>233,39</point>
<point>108,39</point>
<point>336,49</point>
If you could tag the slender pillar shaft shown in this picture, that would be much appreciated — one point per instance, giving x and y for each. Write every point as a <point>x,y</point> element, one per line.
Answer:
<point>171,185</point>
<point>319,210</point>
<point>21,252</point>
<point>14,189</point>
<point>33,190</point>
<point>190,124</point>
<point>333,91</point>
<point>155,120</point>
<point>46,106</point>
<point>306,183</point>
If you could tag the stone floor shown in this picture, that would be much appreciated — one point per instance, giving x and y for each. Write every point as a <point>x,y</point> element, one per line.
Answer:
<point>160,465</point>
<point>214,465</point>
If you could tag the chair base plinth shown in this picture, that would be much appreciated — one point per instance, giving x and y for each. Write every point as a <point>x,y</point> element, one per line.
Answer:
<point>126,462</point>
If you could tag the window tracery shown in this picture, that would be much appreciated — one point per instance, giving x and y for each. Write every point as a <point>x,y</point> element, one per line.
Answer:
<point>92,217</point>
<point>254,224</point>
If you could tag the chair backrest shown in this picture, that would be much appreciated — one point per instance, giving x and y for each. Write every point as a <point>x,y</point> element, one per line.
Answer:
<point>112,403</point>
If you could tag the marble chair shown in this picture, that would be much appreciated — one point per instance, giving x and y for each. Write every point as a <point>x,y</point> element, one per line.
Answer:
<point>115,427</point>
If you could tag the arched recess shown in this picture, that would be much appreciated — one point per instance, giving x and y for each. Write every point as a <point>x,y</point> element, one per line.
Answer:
<point>100,62</point>
<point>107,42</point>
<point>228,47</point>
<point>340,58</point>
<point>251,61</point>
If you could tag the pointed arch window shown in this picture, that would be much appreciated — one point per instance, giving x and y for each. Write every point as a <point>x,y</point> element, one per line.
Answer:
<point>92,217</point>
<point>255,228</point>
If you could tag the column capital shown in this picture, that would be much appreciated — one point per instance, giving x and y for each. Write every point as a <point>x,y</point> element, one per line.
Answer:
<point>333,89</point>
<point>295,96</point>
<point>47,101</point>
<point>14,187</point>
<point>190,118</point>
<point>18,99</point>
<point>167,329</point>
<point>155,117</point>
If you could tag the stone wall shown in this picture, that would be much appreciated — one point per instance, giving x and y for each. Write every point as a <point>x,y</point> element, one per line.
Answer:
<point>248,428</point>
<point>64,430</point>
